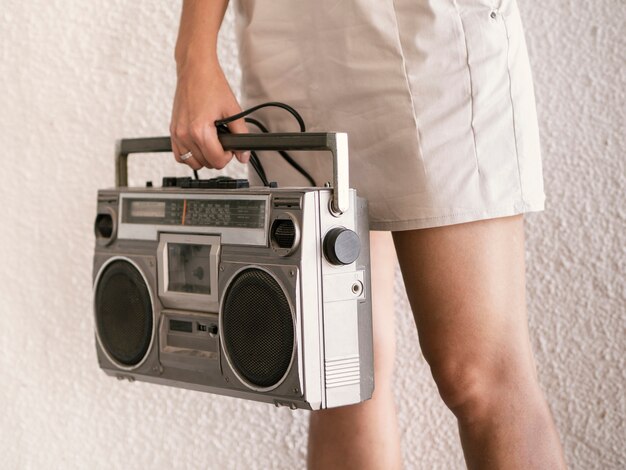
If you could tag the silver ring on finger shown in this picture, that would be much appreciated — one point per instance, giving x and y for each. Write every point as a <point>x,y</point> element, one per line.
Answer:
<point>186,156</point>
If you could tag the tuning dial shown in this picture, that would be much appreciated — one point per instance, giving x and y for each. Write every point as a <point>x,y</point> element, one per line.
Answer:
<point>341,246</point>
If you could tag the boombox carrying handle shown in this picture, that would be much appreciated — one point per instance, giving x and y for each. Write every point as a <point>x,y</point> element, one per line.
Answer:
<point>335,142</point>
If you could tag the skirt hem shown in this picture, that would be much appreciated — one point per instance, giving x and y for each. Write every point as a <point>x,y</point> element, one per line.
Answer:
<point>457,217</point>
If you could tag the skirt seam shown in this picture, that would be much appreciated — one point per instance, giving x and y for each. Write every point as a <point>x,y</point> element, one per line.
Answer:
<point>508,70</point>
<point>408,82</point>
<point>471,85</point>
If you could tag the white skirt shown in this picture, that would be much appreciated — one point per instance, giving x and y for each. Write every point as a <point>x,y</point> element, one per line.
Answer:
<point>436,97</point>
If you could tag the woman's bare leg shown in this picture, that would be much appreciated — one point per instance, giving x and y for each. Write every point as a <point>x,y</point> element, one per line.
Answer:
<point>466,287</point>
<point>365,436</point>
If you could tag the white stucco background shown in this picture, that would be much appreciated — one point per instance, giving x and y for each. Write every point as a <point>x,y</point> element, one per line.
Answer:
<point>76,75</point>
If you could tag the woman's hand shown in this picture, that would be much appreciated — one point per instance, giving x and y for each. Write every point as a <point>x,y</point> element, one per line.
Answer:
<point>203,96</point>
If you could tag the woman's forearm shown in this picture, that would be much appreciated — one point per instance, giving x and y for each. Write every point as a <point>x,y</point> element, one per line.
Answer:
<point>203,94</point>
<point>200,22</point>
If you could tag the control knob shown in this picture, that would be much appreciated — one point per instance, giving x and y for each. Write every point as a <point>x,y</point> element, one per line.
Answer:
<point>341,246</point>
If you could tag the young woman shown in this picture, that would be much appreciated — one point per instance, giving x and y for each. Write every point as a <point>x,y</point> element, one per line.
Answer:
<point>437,100</point>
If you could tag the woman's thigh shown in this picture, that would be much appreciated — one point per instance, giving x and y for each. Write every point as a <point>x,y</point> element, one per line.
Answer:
<point>383,266</point>
<point>466,287</point>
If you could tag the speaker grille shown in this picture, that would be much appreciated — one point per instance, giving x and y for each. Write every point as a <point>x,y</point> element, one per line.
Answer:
<point>257,327</point>
<point>123,313</point>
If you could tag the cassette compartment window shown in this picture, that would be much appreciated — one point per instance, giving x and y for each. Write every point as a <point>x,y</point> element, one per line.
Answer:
<point>187,270</point>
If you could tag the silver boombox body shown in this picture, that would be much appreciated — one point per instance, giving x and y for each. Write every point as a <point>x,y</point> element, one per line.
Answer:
<point>260,293</point>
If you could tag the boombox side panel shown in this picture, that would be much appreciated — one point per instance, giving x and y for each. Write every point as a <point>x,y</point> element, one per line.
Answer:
<point>366,348</point>
<point>348,365</point>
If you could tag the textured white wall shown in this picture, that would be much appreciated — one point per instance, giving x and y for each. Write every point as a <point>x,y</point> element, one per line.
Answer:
<point>75,76</point>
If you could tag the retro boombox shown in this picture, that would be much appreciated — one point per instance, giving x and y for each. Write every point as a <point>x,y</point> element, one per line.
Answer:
<point>260,293</point>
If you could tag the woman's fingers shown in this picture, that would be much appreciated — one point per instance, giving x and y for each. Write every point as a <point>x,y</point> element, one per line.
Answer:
<point>179,152</point>
<point>191,137</point>
<point>205,137</point>
<point>238,127</point>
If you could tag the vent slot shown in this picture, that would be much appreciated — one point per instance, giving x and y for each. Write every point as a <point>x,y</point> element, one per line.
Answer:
<point>343,371</point>
<point>284,233</point>
<point>287,202</point>
<point>104,226</point>
<point>181,326</point>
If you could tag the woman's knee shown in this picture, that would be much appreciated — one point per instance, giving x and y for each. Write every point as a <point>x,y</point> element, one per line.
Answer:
<point>472,385</point>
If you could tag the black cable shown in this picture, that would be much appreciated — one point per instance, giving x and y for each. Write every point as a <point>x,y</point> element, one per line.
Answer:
<point>288,158</point>
<point>277,104</point>
<point>258,167</point>
<point>221,126</point>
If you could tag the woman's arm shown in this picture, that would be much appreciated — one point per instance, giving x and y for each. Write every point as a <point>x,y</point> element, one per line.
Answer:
<point>200,22</point>
<point>202,91</point>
